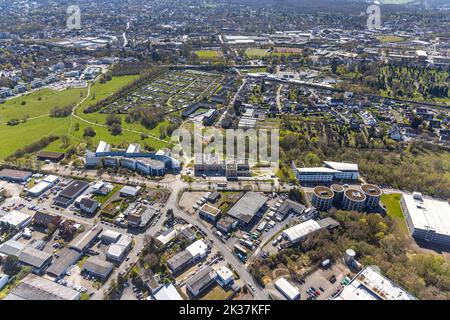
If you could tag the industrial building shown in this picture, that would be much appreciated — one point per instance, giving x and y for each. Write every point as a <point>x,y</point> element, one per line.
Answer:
<point>329,172</point>
<point>167,292</point>
<point>70,193</point>
<point>50,156</point>
<point>224,276</point>
<point>209,213</point>
<point>226,224</point>
<point>202,281</point>
<point>322,198</point>
<point>17,219</point>
<point>290,207</point>
<point>129,191</point>
<point>373,194</point>
<point>427,219</point>
<point>66,258</point>
<point>287,289</point>
<point>369,284</point>
<point>110,236</point>
<point>42,186</point>
<point>296,233</point>
<point>249,206</point>
<point>86,239</point>
<point>98,267</point>
<point>353,200</point>
<point>118,250</point>
<point>33,287</point>
<point>15,175</point>
<point>26,255</point>
<point>146,163</point>
<point>299,231</point>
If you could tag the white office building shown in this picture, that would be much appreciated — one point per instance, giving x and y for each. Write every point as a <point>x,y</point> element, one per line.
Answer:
<point>329,172</point>
<point>427,219</point>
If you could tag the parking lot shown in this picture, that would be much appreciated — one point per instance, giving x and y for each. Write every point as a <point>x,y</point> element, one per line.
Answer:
<point>318,285</point>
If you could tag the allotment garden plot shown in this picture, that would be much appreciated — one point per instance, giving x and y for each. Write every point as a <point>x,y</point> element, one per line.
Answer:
<point>172,90</point>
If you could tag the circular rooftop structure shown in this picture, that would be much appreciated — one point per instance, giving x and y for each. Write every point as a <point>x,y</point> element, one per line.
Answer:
<point>337,187</point>
<point>323,192</point>
<point>371,190</point>
<point>355,195</point>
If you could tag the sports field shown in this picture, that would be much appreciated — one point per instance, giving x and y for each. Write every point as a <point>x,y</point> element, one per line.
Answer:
<point>256,53</point>
<point>385,39</point>
<point>208,54</point>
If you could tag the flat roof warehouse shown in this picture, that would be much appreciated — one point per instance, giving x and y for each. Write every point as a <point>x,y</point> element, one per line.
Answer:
<point>247,206</point>
<point>73,189</point>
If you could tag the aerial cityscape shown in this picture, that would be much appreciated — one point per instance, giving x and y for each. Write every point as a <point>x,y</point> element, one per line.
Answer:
<point>232,150</point>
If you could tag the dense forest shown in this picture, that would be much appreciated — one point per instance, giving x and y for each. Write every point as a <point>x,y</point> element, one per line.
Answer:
<point>414,82</point>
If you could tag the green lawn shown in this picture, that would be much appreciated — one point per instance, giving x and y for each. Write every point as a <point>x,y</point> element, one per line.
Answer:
<point>39,104</point>
<point>208,55</point>
<point>255,70</point>
<point>217,293</point>
<point>15,137</point>
<point>394,210</point>
<point>102,199</point>
<point>256,53</point>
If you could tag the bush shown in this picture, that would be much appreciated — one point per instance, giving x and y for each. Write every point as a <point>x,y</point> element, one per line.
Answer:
<point>61,112</point>
<point>115,129</point>
<point>89,132</point>
<point>35,146</point>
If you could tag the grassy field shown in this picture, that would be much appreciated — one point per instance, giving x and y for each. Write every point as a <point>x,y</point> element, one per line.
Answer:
<point>38,103</point>
<point>217,293</point>
<point>208,55</point>
<point>103,198</point>
<point>15,137</point>
<point>256,53</point>
<point>254,70</point>
<point>394,210</point>
<point>39,124</point>
<point>390,39</point>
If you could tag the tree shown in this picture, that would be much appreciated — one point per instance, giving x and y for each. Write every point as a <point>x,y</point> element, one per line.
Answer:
<point>312,159</point>
<point>11,265</point>
<point>89,132</point>
<point>115,129</point>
